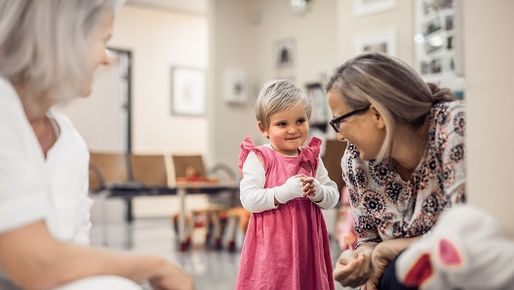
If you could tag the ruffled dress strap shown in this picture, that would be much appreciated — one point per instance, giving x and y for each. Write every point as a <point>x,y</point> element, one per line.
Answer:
<point>310,153</point>
<point>247,146</point>
<point>315,144</point>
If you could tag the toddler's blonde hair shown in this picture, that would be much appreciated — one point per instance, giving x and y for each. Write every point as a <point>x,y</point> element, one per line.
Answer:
<point>279,96</point>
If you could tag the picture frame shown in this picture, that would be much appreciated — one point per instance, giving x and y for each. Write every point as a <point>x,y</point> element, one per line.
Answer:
<point>235,87</point>
<point>438,40</point>
<point>367,7</point>
<point>383,41</point>
<point>285,53</point>
<point>187,91</point>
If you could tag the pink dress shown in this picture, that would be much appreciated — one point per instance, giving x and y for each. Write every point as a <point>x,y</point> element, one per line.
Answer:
<point>287,247</point>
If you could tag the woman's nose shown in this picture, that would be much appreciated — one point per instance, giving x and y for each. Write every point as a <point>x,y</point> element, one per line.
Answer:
<point>107,58</point>
<point>340,137</point>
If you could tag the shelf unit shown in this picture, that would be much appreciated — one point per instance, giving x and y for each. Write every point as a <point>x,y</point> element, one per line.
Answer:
<point>320,114</point>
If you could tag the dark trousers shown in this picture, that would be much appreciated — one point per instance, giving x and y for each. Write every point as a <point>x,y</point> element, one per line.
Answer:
<point>388,281</point>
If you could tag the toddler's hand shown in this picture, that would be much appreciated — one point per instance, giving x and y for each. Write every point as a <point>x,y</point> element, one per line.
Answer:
<point>312,188</point>
<point>307,185</point>
<point>289,190</point>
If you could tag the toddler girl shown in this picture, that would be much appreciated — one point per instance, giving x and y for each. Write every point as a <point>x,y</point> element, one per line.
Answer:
<point>284,186</point>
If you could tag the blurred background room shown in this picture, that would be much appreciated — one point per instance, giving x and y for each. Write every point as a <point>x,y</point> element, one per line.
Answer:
<point>166,118</point>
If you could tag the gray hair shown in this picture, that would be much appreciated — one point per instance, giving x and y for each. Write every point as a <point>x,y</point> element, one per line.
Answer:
<point>279,96</point>
<point>397,92</point>
<point>45,44</point>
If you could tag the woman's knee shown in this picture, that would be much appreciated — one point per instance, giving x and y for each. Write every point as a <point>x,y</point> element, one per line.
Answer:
<point>101,282</point>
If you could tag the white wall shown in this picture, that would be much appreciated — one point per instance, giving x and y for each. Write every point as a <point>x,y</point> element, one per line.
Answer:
<point>160,39</point>
<point>313,32</point>
<point>104,108</point>
<point>399,18</point>
<point>489,74</point>
<point>230,49</point>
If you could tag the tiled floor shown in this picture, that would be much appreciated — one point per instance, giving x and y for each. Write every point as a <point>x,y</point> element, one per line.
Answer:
<point>212,270</point>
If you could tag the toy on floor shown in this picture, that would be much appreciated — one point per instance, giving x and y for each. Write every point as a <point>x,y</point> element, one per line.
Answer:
<point>465,250</point>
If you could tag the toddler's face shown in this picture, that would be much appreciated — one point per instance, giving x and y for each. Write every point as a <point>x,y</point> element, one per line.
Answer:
<point>288,130</point>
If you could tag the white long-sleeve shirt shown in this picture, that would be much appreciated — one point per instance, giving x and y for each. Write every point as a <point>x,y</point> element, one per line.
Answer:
<point>255,198</point>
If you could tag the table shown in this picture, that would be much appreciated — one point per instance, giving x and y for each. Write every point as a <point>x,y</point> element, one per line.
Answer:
<point>128,191</point>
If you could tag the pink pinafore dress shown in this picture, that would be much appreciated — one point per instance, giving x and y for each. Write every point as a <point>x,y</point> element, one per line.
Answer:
<point>286,247</point>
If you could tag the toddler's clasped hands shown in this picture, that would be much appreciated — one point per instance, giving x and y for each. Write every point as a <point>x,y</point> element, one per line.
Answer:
<point>298,186</point>
<point>311,188</point>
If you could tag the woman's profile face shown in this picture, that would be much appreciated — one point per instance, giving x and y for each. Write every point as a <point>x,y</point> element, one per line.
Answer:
<point>363,130</point>
<point>99,55</point>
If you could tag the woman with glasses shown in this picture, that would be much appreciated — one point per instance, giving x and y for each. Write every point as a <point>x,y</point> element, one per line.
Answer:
<point>404,162</point>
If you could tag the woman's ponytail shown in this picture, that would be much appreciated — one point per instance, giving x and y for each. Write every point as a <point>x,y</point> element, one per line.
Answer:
<point>440,94</point>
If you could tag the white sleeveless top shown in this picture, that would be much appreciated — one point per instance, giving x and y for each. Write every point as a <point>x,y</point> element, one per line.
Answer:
<point>33,188</point>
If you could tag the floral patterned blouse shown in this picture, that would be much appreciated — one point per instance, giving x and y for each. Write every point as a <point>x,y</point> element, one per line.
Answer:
<point>385,206</point>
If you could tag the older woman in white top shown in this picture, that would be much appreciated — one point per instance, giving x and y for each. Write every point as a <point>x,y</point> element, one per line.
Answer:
<point>49,50</point>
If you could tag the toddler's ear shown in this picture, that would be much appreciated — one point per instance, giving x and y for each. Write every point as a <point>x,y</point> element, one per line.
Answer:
<point>263,129</point>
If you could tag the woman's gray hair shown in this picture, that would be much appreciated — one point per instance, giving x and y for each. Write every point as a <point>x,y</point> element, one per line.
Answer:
<point>279,96</point>
<point>397,92</point>
<point>45,45</point>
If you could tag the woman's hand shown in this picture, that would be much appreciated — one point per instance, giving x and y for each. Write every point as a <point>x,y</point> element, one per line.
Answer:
<point>172,277</point>
<point>382,255</point>
<point>379,262</point>
<point>353,269</point>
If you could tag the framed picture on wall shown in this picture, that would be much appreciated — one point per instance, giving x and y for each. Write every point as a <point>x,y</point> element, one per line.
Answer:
<point>366,7</point>
<point>438,39</point>
<point>235,87</point>
<point>187,91</point>
<point>284,53</point>
<point>378,41</point>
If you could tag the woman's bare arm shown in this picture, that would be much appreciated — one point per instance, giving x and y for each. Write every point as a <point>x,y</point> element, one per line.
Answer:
<point>34,260</point>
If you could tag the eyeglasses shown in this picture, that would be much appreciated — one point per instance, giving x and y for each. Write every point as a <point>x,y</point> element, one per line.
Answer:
<point>336,122</point>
